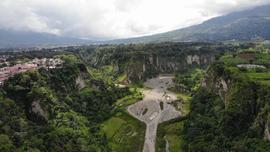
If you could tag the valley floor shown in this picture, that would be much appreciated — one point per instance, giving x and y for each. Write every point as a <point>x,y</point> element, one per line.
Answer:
<point>155,108</point>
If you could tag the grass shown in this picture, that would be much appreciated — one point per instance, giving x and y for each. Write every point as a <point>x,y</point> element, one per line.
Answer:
<point>265,82</point>
<point>259,76</point>
<point>183,96</point>
<point>105,73</point>
<point>125,133</point>
<point>231,61</point>
<point>130,99</point>
<point>170,131</point>
<point>263,78</point>
<point>185,102</point>
<point>121,78</point>
<point>111,126</point>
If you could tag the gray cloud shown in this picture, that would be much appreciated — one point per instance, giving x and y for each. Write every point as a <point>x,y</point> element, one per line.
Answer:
<point>104,19</point>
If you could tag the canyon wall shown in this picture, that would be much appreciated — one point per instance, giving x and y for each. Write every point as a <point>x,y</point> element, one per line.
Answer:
<point>151,65</point>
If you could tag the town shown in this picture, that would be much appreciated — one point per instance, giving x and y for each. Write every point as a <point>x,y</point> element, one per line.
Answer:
<point>10,70</point>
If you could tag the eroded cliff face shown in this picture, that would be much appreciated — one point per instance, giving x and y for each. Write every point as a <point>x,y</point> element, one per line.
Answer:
<point>240,95</point>
<point>152,65</point>
<point>216,83</point>
<point>267,132</point>
<point>38,113</point>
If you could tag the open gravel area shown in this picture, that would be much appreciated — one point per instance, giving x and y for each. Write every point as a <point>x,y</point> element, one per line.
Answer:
<point>155,108</point>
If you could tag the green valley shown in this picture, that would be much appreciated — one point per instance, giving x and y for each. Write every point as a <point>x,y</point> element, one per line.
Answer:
<point>171,97</point>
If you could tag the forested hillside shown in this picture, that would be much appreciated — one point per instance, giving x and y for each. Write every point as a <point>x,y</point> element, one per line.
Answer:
<point>230,112</point>
<point>56,110</point>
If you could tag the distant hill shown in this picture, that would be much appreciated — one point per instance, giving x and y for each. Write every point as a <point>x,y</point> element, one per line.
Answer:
<point>245,25</point>
<point>9,38</point>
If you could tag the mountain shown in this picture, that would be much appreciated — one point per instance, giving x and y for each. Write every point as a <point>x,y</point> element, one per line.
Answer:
<point>9,38</point>
<point>244,25</point>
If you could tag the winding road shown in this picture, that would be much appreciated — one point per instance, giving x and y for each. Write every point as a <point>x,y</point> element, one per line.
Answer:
<point>155,108</point>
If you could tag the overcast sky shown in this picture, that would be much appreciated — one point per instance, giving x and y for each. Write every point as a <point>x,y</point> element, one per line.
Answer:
<point>108,19</point>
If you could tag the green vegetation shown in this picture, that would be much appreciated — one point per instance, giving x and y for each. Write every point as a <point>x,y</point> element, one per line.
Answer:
<point>232,60</point>
<point>252,56</point>
<point>263,78</point>
<point>232,120</point>
<point>44,110</point>
<point>135,96</point>
<point>137,62</point>
<point>188,82</point>
<point>185,102</point>
<point>124,132</point>
<point>170,132</point>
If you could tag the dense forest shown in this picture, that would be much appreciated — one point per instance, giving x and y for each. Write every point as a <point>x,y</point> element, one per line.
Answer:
<point>45,110</point>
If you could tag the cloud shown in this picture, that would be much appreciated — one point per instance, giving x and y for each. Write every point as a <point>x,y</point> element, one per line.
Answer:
<point>105,19</point>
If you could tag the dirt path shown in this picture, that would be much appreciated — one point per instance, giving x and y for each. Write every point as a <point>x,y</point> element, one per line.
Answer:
<point>155,108</point>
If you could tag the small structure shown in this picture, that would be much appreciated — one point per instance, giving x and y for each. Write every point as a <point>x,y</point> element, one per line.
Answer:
<point>250,66</point>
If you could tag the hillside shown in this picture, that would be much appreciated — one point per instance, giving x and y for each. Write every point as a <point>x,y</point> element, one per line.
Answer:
<point>245,25</point>
<point>56,110</point>
<point>230,111</point>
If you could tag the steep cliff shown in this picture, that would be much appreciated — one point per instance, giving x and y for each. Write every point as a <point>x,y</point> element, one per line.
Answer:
<point>56,109</point>
<point>140,62</point>
<point>152,64</point>
<point>230,112</point>
<point>245,102</point>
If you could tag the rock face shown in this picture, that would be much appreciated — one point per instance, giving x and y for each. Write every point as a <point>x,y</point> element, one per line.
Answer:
<point>80,82</point>
<point>232,91</point>
<point>266,132</point>
<point>152,65</point>
<point>219,84</point>
<point>37,113</point>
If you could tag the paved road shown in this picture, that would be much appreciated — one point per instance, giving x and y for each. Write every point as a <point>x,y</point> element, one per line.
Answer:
<point>150,110</point>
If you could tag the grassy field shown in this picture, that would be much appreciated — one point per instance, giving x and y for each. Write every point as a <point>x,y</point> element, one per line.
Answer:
<point>125,133</point>
<point>171,130</point>
<point>186,105</point>
<point>232,61</point>
<point>121,78</point>
<point>131,99</point>
<point>263,78</point>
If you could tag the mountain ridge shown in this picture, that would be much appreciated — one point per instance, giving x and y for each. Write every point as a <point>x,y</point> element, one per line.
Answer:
<point>251,24</point>
<point>244,25</point>
<point>10,38</point>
